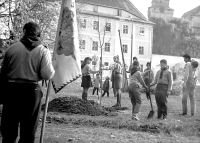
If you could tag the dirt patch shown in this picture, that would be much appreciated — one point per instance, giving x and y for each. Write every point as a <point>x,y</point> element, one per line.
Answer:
<point>75,105</point>
<point>107,123</point>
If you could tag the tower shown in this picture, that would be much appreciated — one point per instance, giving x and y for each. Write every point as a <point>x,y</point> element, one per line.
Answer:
<point>160,9</point>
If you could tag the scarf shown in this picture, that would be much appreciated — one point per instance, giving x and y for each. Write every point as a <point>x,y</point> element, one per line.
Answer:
<point>30,42</point>
<point>162,70</point>
<point>134,70</point>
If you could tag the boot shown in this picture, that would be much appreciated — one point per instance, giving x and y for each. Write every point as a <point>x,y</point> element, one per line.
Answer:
<point>159,115</point>
<point>119,99</point>
<point>84,96</point>
<point>118,104</point>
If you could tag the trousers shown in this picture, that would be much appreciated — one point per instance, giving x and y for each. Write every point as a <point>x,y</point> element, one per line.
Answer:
<point>135,97</point>
<point>161,99</point>
<point>95,89</point>
<point>21,106</point>
<point>189,90</point>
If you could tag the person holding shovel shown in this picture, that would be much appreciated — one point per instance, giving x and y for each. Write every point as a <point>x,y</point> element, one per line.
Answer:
<point>117,79</point>
<point>148,77</point>
<point>26,62</point>
<point>164,83</point>
<point>133,88</point>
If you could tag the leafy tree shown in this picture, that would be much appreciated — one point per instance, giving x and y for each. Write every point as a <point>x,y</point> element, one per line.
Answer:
<point>174,38</point>
<point>15,13</point>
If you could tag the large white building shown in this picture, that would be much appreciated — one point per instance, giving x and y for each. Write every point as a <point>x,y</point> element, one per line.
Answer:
<point>100,21</point>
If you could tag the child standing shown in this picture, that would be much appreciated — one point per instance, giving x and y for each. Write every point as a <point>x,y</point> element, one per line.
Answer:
<point>133,87</point>
<point>97,82</point>
<point>106,86</point>
<point>164,81</point>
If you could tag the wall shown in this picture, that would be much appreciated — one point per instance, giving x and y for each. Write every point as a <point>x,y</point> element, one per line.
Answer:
<point>171,60</point>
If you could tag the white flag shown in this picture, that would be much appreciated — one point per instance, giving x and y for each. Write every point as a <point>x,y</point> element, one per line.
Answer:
<point>66,50</point>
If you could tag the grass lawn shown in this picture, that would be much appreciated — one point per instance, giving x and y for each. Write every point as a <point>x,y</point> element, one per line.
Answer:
<point>121,129</point>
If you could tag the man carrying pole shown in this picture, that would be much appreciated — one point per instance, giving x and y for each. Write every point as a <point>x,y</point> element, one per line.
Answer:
<point>66,53</point>
<point>26,63</point>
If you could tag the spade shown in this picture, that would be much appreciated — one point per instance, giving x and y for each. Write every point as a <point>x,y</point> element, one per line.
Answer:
<point>151,113</point>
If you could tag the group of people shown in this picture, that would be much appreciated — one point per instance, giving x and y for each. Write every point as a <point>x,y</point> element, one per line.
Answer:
<point>163,81</point>
<point>27,62</point>
<point>116,78</point>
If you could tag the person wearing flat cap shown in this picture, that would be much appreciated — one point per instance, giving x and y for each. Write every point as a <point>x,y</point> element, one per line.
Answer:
<point>164,82</point>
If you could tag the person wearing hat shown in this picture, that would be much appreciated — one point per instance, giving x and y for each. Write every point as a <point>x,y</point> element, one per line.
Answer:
<point>189,84</point>
<point>164,82</point>
<point>86,78</point>
<point>133,88</point>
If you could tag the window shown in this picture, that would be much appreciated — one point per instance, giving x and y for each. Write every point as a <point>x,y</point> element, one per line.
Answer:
<point>106,64</point>
<point>141,68</point>
<point>81,44</point>
<point>107,47</point>
<point>142,30</point>
<point>125,48</point>
<point>125,29</point>
<point>141,50</point>
<point>119,12</point>
<point>83,23</point>
<point>96,25</point>
<point>108,27</point>
<point>95,46</point>
<point>95,8</point>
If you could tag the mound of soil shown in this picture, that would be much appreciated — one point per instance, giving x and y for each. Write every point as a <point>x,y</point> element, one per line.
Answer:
<point>75,105</point>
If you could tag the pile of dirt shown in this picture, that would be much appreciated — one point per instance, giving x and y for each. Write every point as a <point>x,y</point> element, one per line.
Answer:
<point>75,105</point>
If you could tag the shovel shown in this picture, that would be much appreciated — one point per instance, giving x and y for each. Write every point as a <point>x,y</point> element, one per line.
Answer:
<point>151,113</point>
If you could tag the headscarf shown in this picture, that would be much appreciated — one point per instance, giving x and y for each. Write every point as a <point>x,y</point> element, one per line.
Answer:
<point>135,67</point>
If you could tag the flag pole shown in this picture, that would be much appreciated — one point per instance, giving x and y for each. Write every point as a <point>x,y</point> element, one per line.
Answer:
<point>49,84</point>
<point>124,70</point>
<point>45,112</point>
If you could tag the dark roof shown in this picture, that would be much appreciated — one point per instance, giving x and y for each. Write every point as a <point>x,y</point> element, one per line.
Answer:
<point>120,4</point>
<point>190,13</point>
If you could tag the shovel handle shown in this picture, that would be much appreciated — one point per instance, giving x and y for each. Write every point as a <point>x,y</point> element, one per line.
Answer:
<point>150,88</point>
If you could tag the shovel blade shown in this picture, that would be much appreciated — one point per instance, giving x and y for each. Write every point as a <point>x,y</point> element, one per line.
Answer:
<point>151,114</point>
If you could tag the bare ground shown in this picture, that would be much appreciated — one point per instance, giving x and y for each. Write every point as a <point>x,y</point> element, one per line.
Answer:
<point>121,129</point>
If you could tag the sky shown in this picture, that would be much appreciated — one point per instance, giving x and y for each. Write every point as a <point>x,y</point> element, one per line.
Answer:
<point>179,6</point>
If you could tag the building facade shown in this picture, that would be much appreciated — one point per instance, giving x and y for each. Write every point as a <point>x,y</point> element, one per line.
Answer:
<point>193,17</point>
<point>160,9</point>
<point>99,25</point>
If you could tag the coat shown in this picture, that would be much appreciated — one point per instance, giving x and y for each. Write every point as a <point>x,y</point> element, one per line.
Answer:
<point>106,85</point>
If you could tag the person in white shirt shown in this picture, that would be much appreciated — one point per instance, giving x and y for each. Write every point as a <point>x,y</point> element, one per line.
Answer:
<point>189,84</point>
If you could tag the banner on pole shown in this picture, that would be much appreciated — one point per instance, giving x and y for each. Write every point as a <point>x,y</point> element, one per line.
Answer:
<point>66,51</point>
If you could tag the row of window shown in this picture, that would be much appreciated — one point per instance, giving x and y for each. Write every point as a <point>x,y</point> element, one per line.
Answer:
<point>106,64</point>
<point>107,48</point>
<point>125,28</point>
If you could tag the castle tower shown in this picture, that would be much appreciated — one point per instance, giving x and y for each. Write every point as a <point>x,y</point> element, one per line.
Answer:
<point>160,9</point>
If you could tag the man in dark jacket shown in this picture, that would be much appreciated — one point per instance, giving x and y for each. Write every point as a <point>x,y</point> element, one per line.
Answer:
<point>26,62</point>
